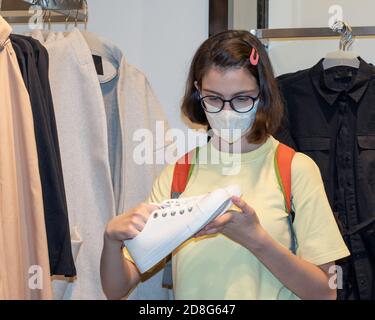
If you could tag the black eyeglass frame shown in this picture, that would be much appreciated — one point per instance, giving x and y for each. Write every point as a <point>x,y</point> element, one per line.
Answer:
<point>254,99</point>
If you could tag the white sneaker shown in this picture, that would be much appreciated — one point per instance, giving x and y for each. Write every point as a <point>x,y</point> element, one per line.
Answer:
<point>175,222</point>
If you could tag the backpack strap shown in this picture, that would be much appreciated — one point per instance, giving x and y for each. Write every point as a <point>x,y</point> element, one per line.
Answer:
<point>283,167</point>
<point>181,175</point>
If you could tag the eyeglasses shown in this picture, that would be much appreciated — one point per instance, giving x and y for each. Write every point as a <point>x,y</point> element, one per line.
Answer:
<point>240,104</point>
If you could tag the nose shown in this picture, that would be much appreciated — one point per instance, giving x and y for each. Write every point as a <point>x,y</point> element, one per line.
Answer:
<point>227,106</point>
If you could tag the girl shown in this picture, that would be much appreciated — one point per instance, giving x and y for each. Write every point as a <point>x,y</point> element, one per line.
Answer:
<point>244,254</point>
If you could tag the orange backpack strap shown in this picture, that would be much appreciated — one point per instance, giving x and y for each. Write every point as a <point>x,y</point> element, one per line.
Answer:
<point>181,175</point>
<point>283,166</point>
<point>182,172</point>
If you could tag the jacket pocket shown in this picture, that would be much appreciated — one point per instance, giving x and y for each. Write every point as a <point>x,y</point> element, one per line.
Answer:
<point>317,148</point>
<point>366,176</point>
<point>366,142</point>
<point>366,161</point>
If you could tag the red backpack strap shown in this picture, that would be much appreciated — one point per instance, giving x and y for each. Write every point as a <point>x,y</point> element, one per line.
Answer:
<point>283,166</point>
<point>182,172</point>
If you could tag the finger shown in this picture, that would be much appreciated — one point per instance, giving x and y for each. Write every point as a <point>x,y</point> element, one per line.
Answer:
<point>240,203</point>
<point>209,232</point>
<point>141,217</point>
<point>199,234</point>
<point>150,207</point>
<point>220,221</point>
<point>145,209</point>
<point>137,223</point>
<point>131,233</point>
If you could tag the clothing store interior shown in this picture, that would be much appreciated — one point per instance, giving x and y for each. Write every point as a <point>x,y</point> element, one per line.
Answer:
<point>93,98</point>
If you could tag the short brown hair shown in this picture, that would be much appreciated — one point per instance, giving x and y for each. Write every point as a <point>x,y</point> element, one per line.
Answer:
<point>231,49</point>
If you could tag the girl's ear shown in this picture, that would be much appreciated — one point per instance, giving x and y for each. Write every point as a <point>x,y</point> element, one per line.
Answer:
<point>196,85</point>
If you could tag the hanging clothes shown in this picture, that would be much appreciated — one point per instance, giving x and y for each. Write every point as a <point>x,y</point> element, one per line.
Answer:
<point>330,116</point>
<point>130,105</point>
<point>33,61</point>
<point>82,129</point>
<point>104,110</point>
<point>24,263</point>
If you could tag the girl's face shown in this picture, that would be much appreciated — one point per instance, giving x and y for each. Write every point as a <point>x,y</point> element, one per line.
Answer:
<point>229,83</point>
<point>230,126</point>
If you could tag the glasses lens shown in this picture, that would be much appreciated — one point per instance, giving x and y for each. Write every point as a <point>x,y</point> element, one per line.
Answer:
<point>243,103</point>
<point>212,103</point>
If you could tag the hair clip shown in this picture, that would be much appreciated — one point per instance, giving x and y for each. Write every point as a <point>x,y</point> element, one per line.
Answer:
<point>254,57</point>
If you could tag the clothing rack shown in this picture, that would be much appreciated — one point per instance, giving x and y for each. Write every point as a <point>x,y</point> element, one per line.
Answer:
<point>54,11</point>
<point>319,32</point>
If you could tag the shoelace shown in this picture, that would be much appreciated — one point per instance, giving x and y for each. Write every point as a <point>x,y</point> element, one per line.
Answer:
<point>174,206</point>
<point>169,209</point>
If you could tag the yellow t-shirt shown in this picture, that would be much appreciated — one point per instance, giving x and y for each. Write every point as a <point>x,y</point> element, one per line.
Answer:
<point>215,267</point>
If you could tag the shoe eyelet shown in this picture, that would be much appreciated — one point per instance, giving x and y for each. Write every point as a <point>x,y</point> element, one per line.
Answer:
<point>190,209</point>
<point>155,215</point>
<point>164,214</point>
<point>173,213</point>
<point>182,211</point>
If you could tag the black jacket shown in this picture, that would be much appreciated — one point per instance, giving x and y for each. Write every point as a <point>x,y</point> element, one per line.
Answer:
<point>330,116</point>
<point>33,61</point>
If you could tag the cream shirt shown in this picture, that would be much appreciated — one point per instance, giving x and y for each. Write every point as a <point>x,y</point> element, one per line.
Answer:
<point>215,267</point>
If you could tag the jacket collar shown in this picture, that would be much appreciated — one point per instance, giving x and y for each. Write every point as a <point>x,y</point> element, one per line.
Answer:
<point>356,89</point>
<point>112,57</point>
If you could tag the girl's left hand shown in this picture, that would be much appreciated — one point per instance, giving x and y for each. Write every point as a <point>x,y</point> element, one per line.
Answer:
<point>243,228</point>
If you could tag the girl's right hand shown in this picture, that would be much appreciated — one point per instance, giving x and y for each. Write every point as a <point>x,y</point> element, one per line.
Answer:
<point>128,225</point>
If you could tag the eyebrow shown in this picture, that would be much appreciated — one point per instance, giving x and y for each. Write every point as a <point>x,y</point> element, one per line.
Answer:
<point>236,94</point>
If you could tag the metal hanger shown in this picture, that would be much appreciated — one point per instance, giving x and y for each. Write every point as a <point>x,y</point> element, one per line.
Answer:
<point>76,20</point>
<point>342,57</point>
<point>43,6</point>
<point>67,20</point>
<point>49,20</point>
<point>86,13</point>
<point>50,13</point>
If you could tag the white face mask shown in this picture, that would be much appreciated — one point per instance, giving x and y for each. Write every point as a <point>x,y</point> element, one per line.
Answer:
<point>230,125</point>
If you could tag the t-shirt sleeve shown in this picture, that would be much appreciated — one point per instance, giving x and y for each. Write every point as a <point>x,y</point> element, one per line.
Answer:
<point>159,193</point>
<point>318,236</point>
